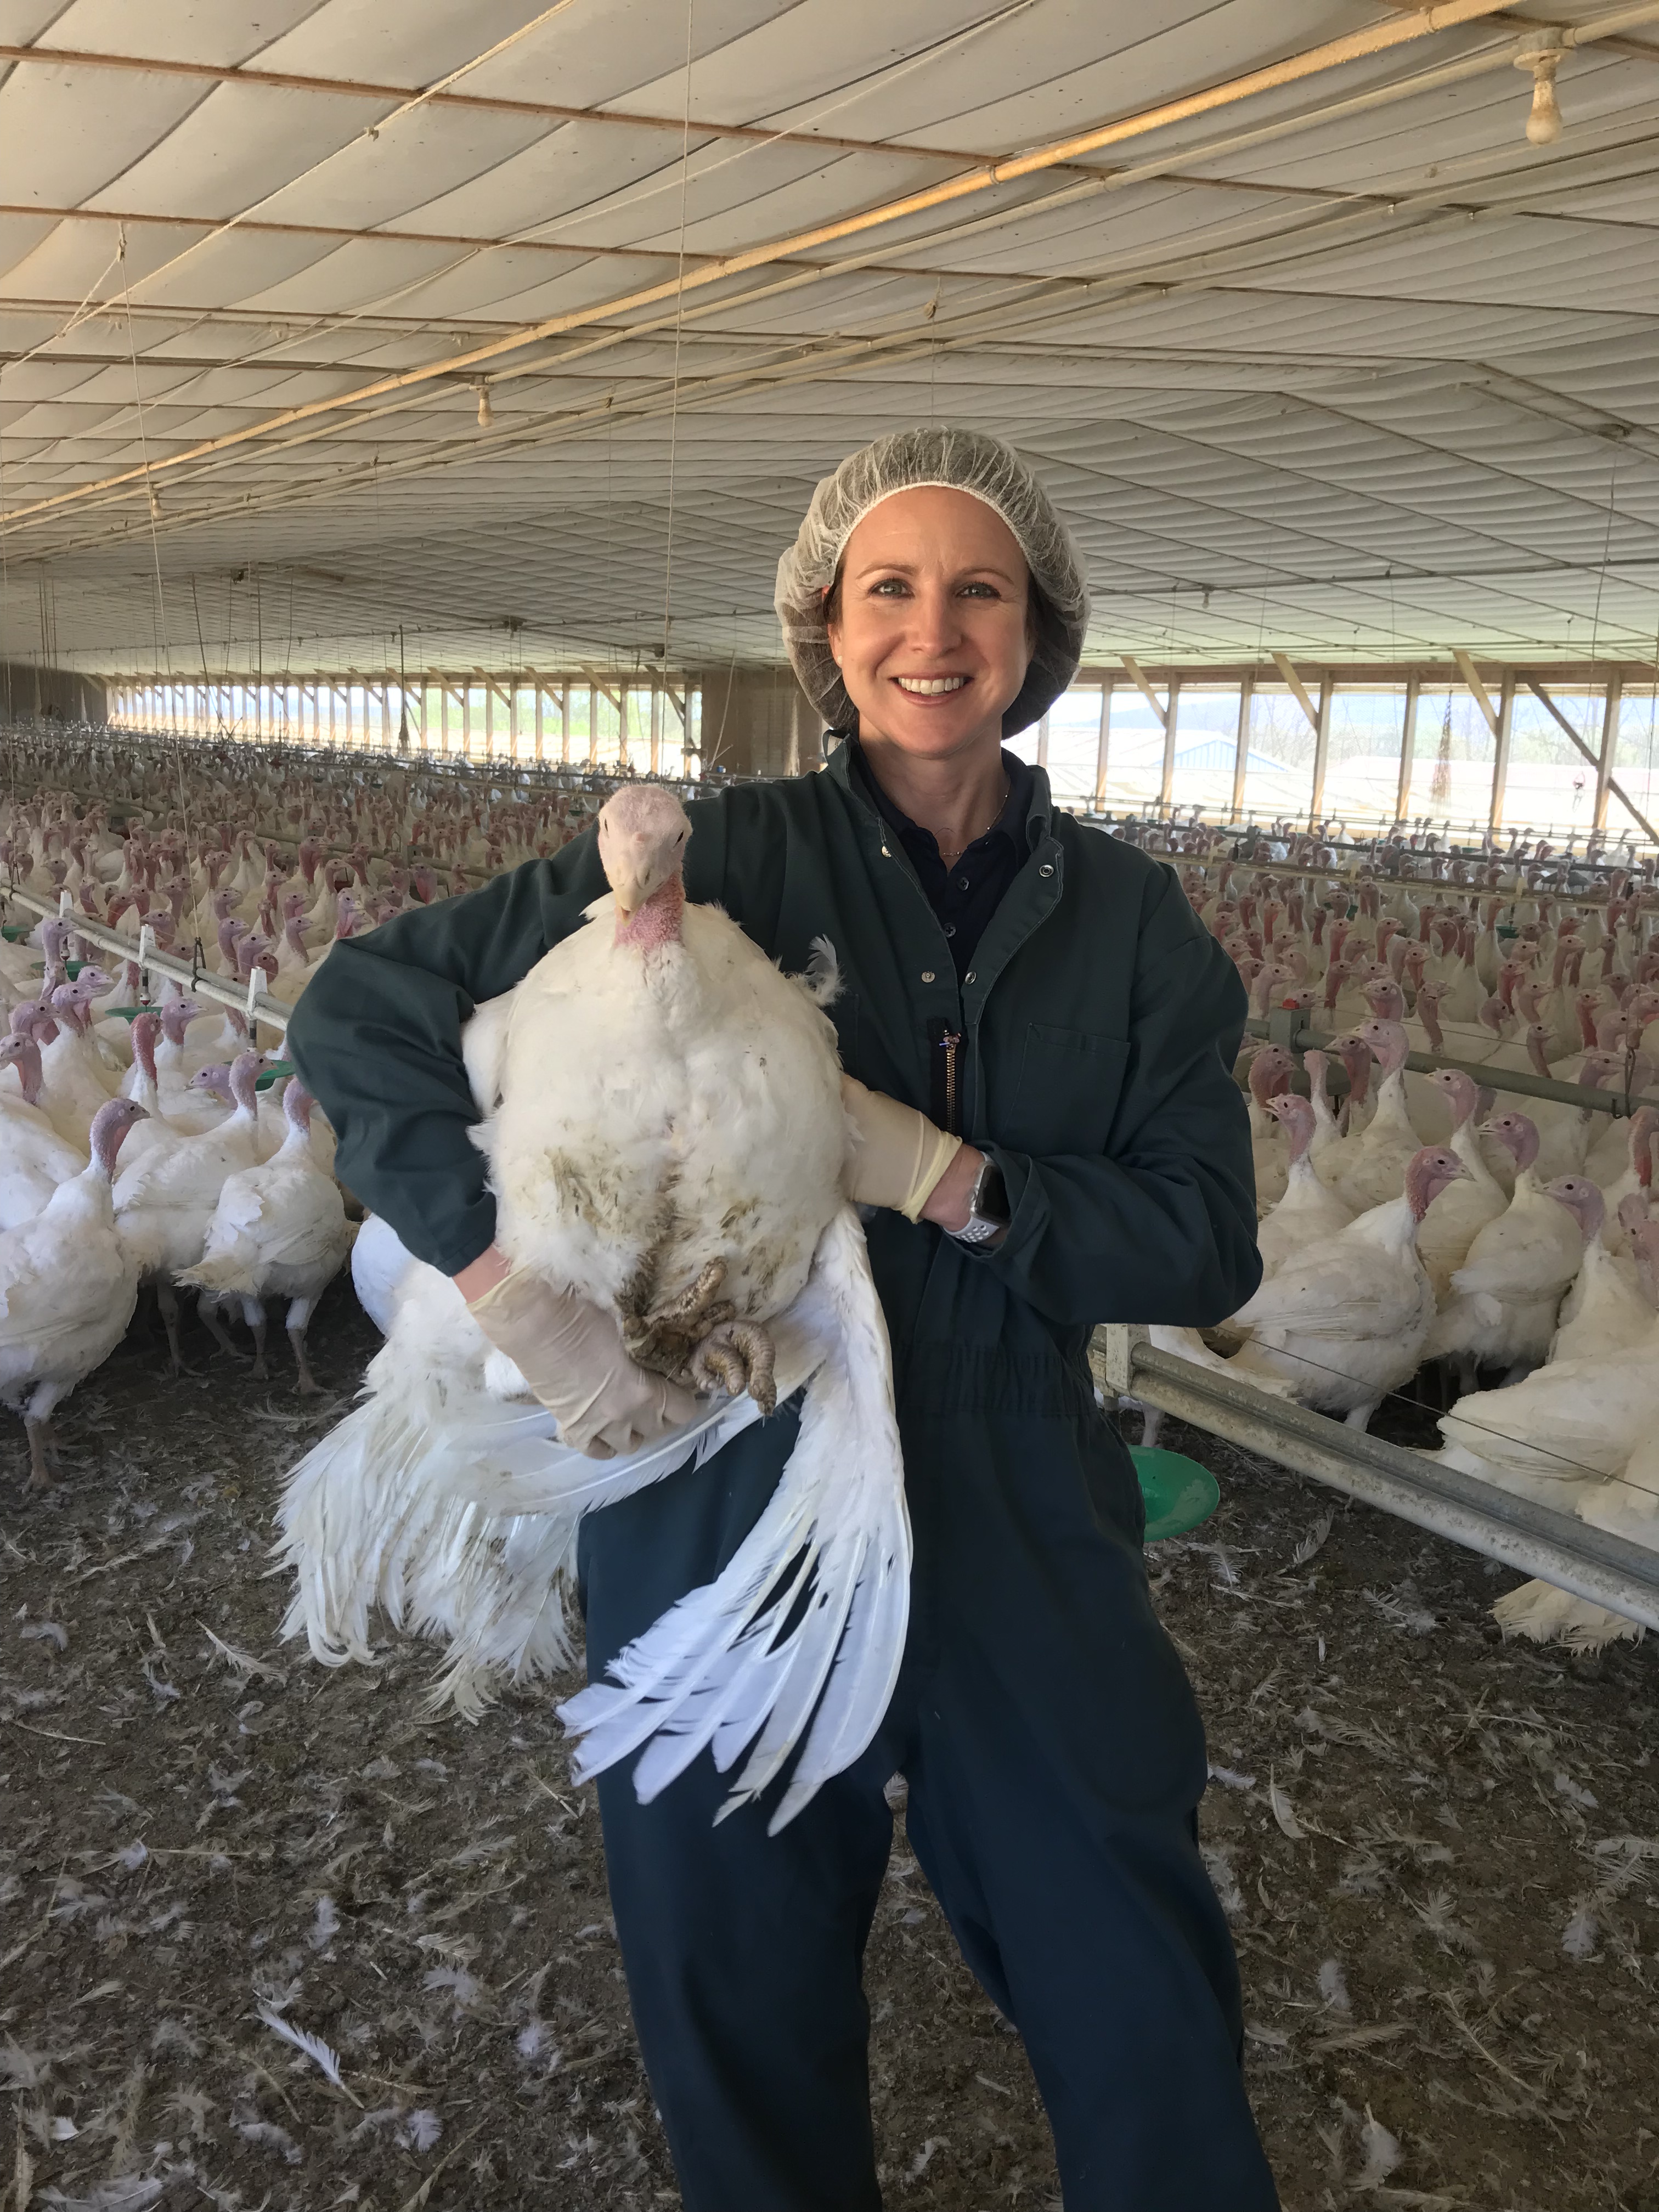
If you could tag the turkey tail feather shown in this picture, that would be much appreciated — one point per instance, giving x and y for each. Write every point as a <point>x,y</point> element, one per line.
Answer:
<point>222,1275</point>
<point>802,1634</point>
<point>456,1513</point>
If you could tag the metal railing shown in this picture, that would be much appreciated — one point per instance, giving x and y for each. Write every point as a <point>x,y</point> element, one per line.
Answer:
<point>1558,1548</point>
<point>1287,1028</point>
<point>250,999</point>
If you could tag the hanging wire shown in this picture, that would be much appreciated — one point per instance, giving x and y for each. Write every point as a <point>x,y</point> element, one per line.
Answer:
<point>5,587</point>
<point>679,325</point>
<point>370,132</point>
<point>166,643</point>
<point>1571,1468</point>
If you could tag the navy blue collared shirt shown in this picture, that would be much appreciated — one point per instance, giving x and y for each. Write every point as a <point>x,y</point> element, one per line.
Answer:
<point>967,894</point>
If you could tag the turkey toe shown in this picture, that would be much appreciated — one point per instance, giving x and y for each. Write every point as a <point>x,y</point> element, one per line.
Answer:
<point>737,1357</point>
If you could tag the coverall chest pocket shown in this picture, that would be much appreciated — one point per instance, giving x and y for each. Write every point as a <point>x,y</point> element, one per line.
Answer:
<point>1068,1092</point>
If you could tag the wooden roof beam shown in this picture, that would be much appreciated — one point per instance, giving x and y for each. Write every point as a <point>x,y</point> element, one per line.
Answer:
<point>1147,691</point>
<point>1614,785</point>
<point>1304,698</point>
<point>1478,692</point>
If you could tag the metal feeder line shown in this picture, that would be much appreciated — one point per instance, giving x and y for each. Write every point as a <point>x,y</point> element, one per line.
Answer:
<point>256,1004</point>
<point>1534,1540</point>
<point>1285,1027</point>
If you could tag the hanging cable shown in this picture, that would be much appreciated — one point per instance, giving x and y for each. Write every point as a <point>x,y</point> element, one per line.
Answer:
<point>679,325</point>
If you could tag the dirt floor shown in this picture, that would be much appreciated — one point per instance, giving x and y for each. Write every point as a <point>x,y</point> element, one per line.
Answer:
<point>1440,1855</point>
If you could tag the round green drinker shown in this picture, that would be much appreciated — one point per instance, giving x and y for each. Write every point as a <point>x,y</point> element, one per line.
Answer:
<point>1178,1491</point>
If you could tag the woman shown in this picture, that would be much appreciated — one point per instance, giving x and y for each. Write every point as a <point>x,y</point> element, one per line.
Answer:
<point>1040,1035</point>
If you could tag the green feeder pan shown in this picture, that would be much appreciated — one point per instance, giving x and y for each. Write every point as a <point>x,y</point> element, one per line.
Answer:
<point>16,933</point>
<point>71,968</point>
<point>1178,1491</point>
<point>277,1069</point>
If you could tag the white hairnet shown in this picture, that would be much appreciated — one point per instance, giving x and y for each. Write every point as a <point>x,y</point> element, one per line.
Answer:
<point>956,460</point>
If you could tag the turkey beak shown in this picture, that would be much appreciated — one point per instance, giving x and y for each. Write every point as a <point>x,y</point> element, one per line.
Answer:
<point>637,874</point>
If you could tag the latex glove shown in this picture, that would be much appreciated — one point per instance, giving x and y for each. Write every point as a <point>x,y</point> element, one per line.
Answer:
<point>900,1154</point>
<point>571,1355</point>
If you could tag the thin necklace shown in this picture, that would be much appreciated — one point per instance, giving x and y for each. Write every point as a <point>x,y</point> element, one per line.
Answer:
<point>958,851</point>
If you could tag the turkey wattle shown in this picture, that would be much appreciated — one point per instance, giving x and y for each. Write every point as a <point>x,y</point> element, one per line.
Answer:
<point>664,1125</point>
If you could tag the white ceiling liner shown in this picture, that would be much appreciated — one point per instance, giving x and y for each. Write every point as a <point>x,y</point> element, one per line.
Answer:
<point>1355,384</point>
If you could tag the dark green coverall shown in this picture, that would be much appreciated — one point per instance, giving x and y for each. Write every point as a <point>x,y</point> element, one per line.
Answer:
<point>1051,1742</point>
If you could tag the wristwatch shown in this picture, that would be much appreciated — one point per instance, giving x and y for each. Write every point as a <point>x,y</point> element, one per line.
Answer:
<point>988,1207</point>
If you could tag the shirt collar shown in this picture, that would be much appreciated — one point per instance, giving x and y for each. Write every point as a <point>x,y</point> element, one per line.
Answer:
<point>1026,810</point>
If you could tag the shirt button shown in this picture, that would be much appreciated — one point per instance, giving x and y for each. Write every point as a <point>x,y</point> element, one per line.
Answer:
<point>927,974</point>
<point>968,977</point>
<point>950,929</point>
<point>961,882</point>
<point>1047,869</point>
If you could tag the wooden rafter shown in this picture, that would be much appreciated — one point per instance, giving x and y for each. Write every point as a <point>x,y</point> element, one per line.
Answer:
<point>1471,676</point>
<point>1614,785</point>
<point>1146,690</point>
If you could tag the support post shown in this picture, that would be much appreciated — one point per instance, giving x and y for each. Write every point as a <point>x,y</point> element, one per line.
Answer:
<point>541,691</point>
<point>1407,746</point>
<point>564,723</point>
<point>1172,716</point>
<point>1241,741</point>
<point>1103,745</point>
<point>1500,764</point>
<point>1321,748</point>
<point>1609,747</point>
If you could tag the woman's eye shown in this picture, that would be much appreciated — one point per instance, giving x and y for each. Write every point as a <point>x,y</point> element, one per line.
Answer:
<point>890,587</point>
<point>981,591</point>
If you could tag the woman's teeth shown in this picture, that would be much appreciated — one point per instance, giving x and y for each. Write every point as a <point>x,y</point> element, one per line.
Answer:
<point>930,687</point>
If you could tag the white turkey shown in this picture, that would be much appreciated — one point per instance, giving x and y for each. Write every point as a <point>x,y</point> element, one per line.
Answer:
<point>382,1266</point>
<point>1461,1212</point>
<point>667,1137</point>
<point>1566,1428</point>
<point>1371,1168</point>
<point>33,1158</point>
<point>1346,1320</point>
<point>1604,1309</point>
<point>1506,1296</point>
<point>1270,1072</point>
<point>1627,1506</point>
<point>278,1231</point>
<point>68,1286</point>
<point>165,1202</point>
<point>1308,1209</point>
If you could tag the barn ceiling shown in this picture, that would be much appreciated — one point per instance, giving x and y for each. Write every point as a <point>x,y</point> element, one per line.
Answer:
<point>1340,364</point>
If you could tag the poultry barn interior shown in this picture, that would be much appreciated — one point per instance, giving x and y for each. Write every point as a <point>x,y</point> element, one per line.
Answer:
<point>402,415</point>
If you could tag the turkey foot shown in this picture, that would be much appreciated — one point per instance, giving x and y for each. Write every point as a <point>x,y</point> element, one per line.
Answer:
<point>736,1357</point>
<point>208,1314</point>
<point>665,1338</point>
<point>167,1299</point>
<point>43,1452</point>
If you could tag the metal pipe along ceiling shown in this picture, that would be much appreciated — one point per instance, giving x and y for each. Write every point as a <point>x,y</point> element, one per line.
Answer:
<point>1315,61</point>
